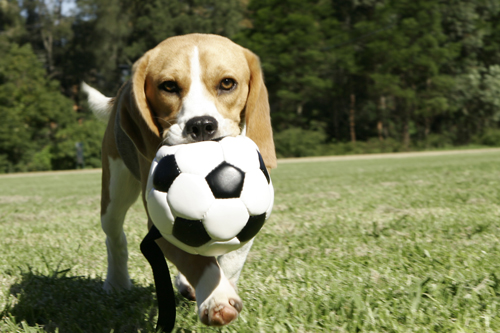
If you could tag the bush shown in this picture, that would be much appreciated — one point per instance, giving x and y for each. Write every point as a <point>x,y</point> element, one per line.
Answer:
<point>388,145</point>
<point>41,160</point>
<point>90,132</point>
<point>298,142</point>
<point>32,110</point>
<point>372,146</point>
<point>490,137</point>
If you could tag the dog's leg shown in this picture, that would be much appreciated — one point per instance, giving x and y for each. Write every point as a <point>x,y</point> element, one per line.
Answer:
<point>217,300</point>
<point>184,287</point>
<point>119,191</point>
<point>231,263</point>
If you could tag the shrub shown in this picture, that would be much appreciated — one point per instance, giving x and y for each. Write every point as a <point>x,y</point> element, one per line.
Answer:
<point>298,142</point>
<point>490,137</point>
<point>32,110</point>
<point>41,160</point>
<point>435,141</point>
<point>90,132</point>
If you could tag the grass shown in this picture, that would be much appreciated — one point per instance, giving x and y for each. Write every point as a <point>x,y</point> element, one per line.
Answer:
<point>380,245</point>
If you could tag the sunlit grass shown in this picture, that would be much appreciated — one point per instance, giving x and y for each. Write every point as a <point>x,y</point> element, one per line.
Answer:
<point>380,245</point>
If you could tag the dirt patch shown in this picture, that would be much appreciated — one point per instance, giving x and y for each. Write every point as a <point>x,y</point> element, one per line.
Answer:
<point>386,155</point>
<point>10,199</point>
<point>49,173</point>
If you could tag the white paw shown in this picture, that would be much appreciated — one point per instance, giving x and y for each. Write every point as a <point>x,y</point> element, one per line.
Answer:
<point>111,286</point>
<point>218,302</point>
<point>220,308</point>
<point>184,287</point>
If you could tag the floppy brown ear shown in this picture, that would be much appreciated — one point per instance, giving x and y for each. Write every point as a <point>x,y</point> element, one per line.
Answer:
<point>136,117</point>
<point>257,112</point>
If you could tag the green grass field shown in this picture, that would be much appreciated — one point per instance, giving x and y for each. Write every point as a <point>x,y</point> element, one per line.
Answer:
<point>378,245</point>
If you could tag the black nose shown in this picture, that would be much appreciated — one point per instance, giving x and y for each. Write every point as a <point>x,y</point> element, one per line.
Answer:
<point>202,128</point>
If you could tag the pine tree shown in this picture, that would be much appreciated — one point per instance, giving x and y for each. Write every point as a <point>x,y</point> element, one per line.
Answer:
<point>32,110</point>
<point>288,38</point>
<point>155,20</point>
<point>407,62</point>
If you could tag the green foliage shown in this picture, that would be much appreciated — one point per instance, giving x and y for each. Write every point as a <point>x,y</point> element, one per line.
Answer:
<point>490,137</point>
<point>297,142</point>
<point>89,132</point>
<point>422,73</point>
<point>41,160</point>
<point>32,108</point>
<point>11,24</point>
<point>155,20</point>
<point>123,30</point>
<point>287,36</point>
<point>437,141</point>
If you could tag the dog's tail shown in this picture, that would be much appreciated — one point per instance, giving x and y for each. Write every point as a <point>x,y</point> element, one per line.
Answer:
<point>100,105</point>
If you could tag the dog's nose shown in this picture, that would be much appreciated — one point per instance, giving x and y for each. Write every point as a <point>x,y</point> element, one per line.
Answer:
<point>202,128</point>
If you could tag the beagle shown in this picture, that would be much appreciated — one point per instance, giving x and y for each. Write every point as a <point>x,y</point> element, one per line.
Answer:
<point>187,89</point>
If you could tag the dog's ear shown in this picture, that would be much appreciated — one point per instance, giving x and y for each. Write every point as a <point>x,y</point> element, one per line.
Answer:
<point>136,117</point>
<point>257,112</point>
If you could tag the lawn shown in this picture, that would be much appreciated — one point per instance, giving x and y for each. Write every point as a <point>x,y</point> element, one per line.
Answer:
<point>376,245</point>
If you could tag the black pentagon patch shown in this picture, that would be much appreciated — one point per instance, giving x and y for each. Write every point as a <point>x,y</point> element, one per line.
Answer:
<point>252,227</point>
<point>190,232</point>
<point>263,168</point>
<point>165,173</point>
<point>226,181</point>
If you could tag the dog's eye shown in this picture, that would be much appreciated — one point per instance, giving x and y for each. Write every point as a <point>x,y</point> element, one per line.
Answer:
<point>227,84</point>
<point>170,86</point>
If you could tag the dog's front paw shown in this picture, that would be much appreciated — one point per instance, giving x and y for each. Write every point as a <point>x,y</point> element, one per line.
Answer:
<point>221,308</point>
<point>218,302</point>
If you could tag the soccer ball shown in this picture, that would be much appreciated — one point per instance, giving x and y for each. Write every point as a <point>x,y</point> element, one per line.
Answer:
<point>209,197</point>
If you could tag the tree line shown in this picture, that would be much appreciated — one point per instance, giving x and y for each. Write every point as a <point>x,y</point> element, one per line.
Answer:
<point>343,76</point>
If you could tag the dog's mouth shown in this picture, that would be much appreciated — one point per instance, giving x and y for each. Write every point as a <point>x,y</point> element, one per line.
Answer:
<point>219,138</point>
<point>177,134</point>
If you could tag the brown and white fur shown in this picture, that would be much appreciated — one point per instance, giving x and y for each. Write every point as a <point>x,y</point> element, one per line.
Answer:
<point>176,89</point>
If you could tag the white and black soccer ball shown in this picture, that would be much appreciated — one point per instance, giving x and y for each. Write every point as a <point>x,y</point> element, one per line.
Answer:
<point>209,197</point>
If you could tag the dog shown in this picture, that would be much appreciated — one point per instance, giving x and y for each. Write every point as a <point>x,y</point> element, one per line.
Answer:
<point>187,89</point>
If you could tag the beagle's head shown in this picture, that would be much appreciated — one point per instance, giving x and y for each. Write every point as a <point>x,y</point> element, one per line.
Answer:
<point>202,87</point>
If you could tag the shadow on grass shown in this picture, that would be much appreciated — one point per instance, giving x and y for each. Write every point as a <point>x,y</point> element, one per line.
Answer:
<point>79,304</point>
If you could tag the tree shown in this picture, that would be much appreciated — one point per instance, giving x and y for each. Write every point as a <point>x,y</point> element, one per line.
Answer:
<point>288,38</point>
<point>122,30</point>
<point>474,27</point>
<point>155,20</point>
<point>32,110</point>
<point>48,32</point>
<point>407,62</point>
<point>11,24</point>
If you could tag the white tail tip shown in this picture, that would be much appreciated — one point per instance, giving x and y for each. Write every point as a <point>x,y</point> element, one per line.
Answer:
<point>99,104</point>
